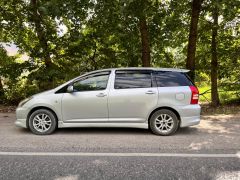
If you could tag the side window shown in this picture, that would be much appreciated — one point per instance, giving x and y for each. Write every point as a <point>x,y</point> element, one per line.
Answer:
<point>92,83</point>
<point>133,79</point>
<point>170,79</point>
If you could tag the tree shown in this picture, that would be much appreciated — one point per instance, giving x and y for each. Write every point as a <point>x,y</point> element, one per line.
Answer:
<point>214,60</point>
<point>146,58</point>
<point>1,91</point>
<point>142,11</point>
<point>192,41</point>
<point>119,33</point>
<point>37,19</point>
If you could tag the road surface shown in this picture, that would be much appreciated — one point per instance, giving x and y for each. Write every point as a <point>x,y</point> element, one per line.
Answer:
<point>210,150</point>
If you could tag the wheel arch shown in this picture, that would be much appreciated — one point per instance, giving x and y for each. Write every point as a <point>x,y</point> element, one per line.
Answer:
<point>41,107</point>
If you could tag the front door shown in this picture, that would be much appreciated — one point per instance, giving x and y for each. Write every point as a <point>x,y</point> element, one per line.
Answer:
<point>88,101</point>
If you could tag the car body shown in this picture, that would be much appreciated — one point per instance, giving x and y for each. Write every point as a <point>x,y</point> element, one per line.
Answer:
<point>119,97</point>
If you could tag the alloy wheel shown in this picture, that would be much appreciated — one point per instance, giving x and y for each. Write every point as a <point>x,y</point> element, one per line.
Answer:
<point>42,122</point>
<point>164,123</point>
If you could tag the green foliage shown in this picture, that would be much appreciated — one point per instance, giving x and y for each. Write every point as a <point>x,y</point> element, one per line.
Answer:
<point>80,36</point>
<point>15,92</point>
<point>202,79</point>
<point>10,76</point>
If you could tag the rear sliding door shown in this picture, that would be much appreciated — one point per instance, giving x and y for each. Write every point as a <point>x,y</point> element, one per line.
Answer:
<point>132,96</point>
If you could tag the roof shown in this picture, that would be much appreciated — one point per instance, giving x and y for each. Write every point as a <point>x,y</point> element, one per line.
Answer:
<point>144,68</point>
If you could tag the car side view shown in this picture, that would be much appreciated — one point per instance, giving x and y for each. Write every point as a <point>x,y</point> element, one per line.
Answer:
<point>160,99</point>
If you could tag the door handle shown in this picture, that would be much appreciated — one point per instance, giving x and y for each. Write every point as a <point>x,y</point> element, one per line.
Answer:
<point>150,92</point>
<point>101,95</point>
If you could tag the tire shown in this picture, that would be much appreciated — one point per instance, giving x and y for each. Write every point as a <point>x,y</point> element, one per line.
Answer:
<point>42,122</point>
<point>164,122</point>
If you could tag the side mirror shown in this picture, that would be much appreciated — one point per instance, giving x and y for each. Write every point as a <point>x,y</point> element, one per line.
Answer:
<point>70,89</point>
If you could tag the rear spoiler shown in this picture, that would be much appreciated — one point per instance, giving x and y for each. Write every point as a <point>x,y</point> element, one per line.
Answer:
<point>174,70</point>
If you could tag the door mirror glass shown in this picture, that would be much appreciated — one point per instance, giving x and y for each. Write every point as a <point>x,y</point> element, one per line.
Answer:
<point>70,89</point>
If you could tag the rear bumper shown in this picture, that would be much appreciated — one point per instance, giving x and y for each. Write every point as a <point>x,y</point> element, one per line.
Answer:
<point>190,115</point>
<point>190,121</point>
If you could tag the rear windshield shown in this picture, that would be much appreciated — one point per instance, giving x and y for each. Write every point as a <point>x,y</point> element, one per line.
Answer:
<point>170,79</point>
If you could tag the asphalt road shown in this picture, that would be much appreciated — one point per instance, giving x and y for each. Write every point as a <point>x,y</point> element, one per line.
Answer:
<point>210,150</point>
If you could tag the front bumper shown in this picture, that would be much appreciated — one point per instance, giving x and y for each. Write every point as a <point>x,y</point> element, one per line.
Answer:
<point>21,123</point>
<point>21,114</point>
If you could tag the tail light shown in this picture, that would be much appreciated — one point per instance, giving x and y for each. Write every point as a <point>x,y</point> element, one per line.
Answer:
<point>195,95</point>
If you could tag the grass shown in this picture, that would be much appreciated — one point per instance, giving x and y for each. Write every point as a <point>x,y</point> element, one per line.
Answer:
<point>226,97</point>
<point>207,96</point>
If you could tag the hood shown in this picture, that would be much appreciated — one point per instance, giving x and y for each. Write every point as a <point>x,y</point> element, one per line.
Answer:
<point>44,93</point>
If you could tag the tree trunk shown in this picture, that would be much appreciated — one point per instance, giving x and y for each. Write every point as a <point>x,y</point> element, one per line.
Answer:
<point>192,40</point>
<point>93,61</point>
<point>41,34</point>
<point>1,91</point>
<point>146,58</point>
<point>214,61</point>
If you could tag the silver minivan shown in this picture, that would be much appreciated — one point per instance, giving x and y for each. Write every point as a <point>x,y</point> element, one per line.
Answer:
<point>160,99</point>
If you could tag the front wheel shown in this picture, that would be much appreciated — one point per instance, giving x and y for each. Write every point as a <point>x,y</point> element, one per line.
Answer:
<point>42,122</point>
<point>164,122</point>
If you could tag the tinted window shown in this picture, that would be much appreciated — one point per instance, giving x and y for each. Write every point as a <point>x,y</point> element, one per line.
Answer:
<point>169,79</point>
<point>92,83</point>
<point>132,79</point>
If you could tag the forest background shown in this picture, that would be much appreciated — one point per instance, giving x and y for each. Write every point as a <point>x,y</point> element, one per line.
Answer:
<point>58,40</point>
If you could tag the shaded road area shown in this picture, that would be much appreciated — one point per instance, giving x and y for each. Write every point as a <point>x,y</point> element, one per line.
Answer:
<point>219,134</point>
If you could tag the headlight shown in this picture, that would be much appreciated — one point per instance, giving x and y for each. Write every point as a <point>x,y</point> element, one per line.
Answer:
<point>24,101</point>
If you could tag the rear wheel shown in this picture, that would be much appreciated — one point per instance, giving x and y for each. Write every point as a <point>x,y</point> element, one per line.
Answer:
<point>42,122</point>
<point>164,122</point>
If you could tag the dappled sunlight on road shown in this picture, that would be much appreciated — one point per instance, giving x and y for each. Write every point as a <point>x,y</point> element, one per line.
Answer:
<point>199,145</point>
<point>215,130</point>
<point>69,177</point>
<point>222,124</point>
<point>231,175</point>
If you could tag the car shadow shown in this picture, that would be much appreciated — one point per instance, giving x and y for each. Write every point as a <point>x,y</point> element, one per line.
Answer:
<point>102,130</point>
<point>122,131</point>
<point>187,131</point>
<point>23,130</point>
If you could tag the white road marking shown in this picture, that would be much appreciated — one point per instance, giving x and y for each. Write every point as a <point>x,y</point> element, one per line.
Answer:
<point>237,155</point>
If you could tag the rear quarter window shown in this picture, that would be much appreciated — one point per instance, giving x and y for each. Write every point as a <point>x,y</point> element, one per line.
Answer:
<point>171,79</point>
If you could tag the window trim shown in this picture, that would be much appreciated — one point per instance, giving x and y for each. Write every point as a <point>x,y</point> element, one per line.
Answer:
<point>153,81</point>
<point>90,75</point>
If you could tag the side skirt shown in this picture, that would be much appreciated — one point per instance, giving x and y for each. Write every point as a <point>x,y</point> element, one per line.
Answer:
<point>103,124</point>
